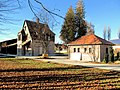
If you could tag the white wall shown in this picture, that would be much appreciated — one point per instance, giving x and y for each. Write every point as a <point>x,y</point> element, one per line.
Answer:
<point>19,42</point>
<point>94,55</point>
<point>75,56</point>
<point>116,47</point>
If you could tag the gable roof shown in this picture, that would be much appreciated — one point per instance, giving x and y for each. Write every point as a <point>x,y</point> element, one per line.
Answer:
<point>11,42</point>
<point>36,29</point>
<point>90,39</point>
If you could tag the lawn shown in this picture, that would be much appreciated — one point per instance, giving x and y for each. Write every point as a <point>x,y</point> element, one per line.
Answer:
<point>31,74</point>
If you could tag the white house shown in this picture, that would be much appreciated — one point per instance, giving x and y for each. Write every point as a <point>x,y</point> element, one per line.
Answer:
<point>35,39</point>
<point>89,48</point>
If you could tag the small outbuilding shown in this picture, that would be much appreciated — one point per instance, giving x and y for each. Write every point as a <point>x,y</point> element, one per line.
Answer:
<point>89,48</point>
<point>9,47</point>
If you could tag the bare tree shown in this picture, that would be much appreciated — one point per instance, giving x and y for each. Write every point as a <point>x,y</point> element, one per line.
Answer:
<point>119,34</point>
<point>90,28</point>
<point>32,7</point>
<point>46,18</point>
<point>104,33</point>
<point>8,7</point>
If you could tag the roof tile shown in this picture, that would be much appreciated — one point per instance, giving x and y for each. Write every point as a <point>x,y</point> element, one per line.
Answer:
<point>89,39</point>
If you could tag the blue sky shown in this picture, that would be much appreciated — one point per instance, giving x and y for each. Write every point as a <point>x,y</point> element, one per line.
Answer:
<point>100,13</point>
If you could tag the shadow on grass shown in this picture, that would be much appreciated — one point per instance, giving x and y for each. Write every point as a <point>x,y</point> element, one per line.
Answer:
<point>53,79</point>
<point>42,69</point>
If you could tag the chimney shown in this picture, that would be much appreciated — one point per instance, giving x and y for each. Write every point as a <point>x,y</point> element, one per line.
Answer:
<point>37,20</point>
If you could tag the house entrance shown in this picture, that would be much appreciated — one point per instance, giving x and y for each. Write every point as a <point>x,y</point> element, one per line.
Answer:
<point>38,51</point>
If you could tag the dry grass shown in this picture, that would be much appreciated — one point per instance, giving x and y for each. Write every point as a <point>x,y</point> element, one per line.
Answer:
<point>30,74</point>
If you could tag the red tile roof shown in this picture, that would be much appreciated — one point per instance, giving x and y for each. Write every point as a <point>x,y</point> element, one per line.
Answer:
<point>90,39</point>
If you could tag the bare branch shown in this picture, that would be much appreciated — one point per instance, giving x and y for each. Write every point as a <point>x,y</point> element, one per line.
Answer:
<point>8,7</point>
<point>32,8</point>
<point>29,3</point>
<point>48,10</point>
<point>19,3</point>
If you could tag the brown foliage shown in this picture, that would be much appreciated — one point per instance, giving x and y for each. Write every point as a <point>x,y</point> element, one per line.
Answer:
<point>71,77</point>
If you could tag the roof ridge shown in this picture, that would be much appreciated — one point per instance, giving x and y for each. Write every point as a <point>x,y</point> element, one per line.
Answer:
<point>90,39</point>
<point>103,39</point>
<point>35,22</point>
<point>34,27</point>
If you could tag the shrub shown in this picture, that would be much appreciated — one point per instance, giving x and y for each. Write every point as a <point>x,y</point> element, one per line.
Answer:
<point>106,58</point>
<point>118,56</point>
<point>104,61</point>
<point>111,55</point>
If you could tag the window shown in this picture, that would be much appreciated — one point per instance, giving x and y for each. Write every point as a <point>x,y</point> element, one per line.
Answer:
<point>106,50</point>
<point>48,38</point>
<point>53,39</point>
<point>25,28</point>
<point>74,49</point>
<point>90,50</point>
<point>85,50</point>
<point>78,49</point>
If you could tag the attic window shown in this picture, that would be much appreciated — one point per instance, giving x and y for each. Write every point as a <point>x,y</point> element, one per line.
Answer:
<point>48,38</point>
<point>25,28</point>
<point>36,33</point>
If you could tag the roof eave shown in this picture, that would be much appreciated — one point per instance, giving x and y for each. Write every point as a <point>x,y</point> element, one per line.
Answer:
<point>86,44</point>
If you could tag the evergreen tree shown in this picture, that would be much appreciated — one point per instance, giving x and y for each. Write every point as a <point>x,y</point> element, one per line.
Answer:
<point>104,33</point>
<point>81,26</point>
<point>67,33</point>
<point>118,55</point>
